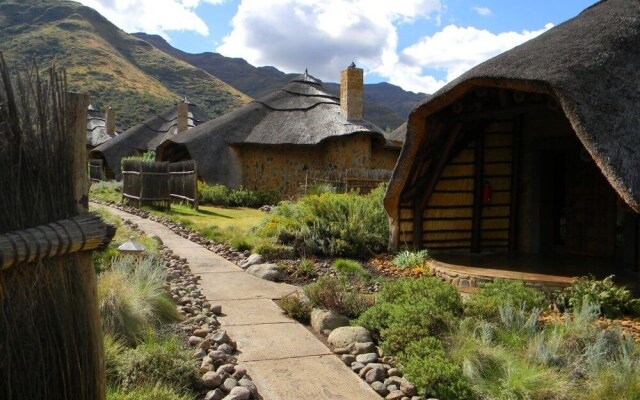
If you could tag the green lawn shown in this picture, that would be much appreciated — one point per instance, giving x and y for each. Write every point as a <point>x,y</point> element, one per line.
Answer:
<point>241,218</point>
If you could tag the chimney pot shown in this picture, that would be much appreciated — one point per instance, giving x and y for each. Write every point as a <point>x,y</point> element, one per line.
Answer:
<point>183,115</point>
<point>352,92</point>
<point>110,122</point>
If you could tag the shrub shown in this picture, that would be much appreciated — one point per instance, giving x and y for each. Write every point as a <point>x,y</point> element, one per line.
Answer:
<point>426,364</point>
<point>612,300</point>
<point>273,251</point>
<point>425,305</point>
<point>132,298</point>
<point>349,268</point>
<point>333,294</point>
<point>331,224</point>
<point>295,307</point>
<point>217,195</point>
<point>320,189</point>
<point>305,267</point>
<point>411,259</point>
<point>106,191</point>
<point>486,302</point>
<point>162,360</point>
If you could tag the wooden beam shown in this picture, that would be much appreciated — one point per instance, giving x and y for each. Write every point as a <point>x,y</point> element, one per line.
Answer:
<point>477,188</point>
<point>515,171</point>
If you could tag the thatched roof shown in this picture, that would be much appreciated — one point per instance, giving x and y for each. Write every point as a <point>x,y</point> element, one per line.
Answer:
<point>590,64</point>
<point>301,113</point>
<point>97,128</point>
<point>396,137</point>
<point>144,136</point>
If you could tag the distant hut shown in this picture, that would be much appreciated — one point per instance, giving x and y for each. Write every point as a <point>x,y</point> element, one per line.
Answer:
<point>396,137</point>
<point>276,141</point>
<point>146,136</point>
<point>534,152</point>
<point>101,127</point>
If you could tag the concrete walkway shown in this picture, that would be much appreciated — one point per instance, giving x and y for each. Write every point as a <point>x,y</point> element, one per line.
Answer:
<point>285,361</point>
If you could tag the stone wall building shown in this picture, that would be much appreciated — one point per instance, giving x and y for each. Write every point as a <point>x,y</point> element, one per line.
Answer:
<point>273,143</point>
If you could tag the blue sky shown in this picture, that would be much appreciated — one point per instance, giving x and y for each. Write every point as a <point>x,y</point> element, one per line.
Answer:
<point>416,44</point>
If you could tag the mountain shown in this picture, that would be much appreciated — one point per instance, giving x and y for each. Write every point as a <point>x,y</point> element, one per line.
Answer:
<point>115,68</point>
<point>386,105</point>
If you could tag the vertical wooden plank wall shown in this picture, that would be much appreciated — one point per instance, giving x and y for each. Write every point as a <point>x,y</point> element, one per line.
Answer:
<point>452,211</point>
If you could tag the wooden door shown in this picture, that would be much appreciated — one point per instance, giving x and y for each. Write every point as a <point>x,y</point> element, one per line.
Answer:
<point>591,208</point>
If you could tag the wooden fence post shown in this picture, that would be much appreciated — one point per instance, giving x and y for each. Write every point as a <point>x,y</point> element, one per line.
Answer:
<point>77,105</point>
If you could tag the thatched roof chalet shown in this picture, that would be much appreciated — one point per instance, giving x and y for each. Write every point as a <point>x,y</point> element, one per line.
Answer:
<point>584,73</point>
<point>301,114</point>
<point>146,136</point>
<point>97,132</point>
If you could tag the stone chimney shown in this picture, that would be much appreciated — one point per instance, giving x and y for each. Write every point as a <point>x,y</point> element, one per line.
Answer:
<point>183,115</point>
<point>352,92</point>
<point>110,122</point>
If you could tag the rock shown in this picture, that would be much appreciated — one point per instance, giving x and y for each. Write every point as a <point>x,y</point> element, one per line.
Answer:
<point>239,393</point>
<point>348,359</point>
<point>375,374</point>
<point>228,368</point>
<point>216,394</point>
<point>346,335</point>
<point>324,321</point>
<point>199,354</point>
<point>408,389</point>
<point>361,348</point>
<point>394,372</point>
<point>379,388</point>
<point>228,384</point>
<point>155,238</point>
<point>226,348</point>
<point>270,272</point>
<point>195,340</point>
<point>211,380</point>
<point>341,350</point>
<point>392,388</point>
<point>246,383</point>
<point>395,395</point>
<point>201,332</point>
<point>216,309</point>
<point>357,367</point>
<point>367,358</point>
<point>252,260</point>
<point>239,373</point>
<point>205,344</point>
<point>220,337</point>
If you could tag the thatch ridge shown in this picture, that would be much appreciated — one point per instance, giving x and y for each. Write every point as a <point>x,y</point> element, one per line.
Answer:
<point>145,136</point>
<point>590,64</point>
<point>301,114</point>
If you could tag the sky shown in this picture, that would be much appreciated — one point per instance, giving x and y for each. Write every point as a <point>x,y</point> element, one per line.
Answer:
<point>419,45</point>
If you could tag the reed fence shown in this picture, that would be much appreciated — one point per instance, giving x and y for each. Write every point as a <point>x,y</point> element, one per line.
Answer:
<point>183,182</point>
<point>146,183</point>
<point>96,170</point>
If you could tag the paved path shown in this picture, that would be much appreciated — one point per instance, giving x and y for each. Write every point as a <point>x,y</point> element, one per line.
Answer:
<point>284,359</point>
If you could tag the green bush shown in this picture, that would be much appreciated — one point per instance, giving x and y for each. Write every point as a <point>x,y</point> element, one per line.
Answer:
<point>106,191</point>
<point>411,259</point>
<point>331,224</point>
<point>333,294</point>
<point>156,360</point>
<point>425,363</point>
<point>132,298</point>
<point>305,267</point>
<point>219,195</point>
<point>295,307</point>
<point>426,305</point>
<point>612,300</point>
<point>486,302</point>
<point>320,189</point>
<point>273,251</point>
<point>349,268</point>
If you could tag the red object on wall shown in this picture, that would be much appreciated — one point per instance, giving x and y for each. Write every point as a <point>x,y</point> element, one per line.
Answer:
<point>486,193</point>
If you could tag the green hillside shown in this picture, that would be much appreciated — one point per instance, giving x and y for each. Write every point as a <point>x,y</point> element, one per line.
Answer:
<point>115,68</point>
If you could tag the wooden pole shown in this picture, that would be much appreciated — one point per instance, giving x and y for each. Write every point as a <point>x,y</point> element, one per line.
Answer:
<point>77,124</point>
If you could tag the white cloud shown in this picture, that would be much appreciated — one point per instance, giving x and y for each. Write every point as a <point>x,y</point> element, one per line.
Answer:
<point>152,16</point>
<point>326,35</point>
<point>323,35</point>
<point>484,11</point>
<point>455,49</point>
